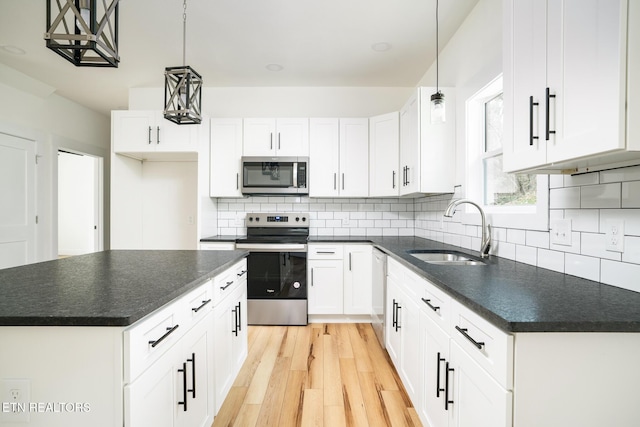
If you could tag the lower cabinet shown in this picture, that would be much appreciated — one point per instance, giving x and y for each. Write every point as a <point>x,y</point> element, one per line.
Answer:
<point>340,279</point>
<point>177,390</point>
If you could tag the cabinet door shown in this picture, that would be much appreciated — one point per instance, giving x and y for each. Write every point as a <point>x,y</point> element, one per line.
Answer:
<point>133,131</point>
<point>172,137</point>
<point>587,73</point>
<point>478,400</point>
<point>225,153</point>
<point>410,145</point>
<point>149,400</point>
<point>223,319</point>
<point>524,82</point>
<point>324,157</point>
<point>354,158</point>
<point>384,155</point>
<point>358,280</point>
<point>259,137</point>
<point>410,360</point>
<point>435,353</point>
<point>392,322</point>
<point>325,293</point>
<point>292,137</point>
<point>239,346</point>
<point>197,378</point>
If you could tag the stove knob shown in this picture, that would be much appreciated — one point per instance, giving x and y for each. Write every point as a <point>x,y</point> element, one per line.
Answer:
<point>257,219</point>
<point>250,219</point>
<point>297,218</point>
<point>304,218</point>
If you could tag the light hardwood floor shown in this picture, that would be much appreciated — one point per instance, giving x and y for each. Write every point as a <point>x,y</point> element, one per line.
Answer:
<point>316,375</point>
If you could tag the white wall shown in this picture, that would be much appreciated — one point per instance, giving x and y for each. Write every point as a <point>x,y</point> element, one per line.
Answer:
<point>33,110</point>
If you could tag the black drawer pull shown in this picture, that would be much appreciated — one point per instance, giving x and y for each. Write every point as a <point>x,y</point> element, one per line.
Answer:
<point>326,252</point>
<point>438,389</point>
<point>242,273</point>
<point>463,331</point>
<point>197,309</point>
<point>428,302</point>
<point>193,375</point>
<point>447,402</point>
<point>228,284</point>
<point>159,340</point>
<point>184,386</point>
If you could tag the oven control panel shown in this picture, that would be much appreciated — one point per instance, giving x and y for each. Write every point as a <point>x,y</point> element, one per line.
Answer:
<point>263,219</point>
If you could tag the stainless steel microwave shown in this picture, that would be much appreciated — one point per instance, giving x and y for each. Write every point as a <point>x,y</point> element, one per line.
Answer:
<point>275,175</point>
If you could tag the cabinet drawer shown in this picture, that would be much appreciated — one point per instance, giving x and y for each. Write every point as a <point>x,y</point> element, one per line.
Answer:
<point>198,303</point>
<point>148,339</point>
<point>225,283</point>
<point>437,305</point>
<point>486,344</point>
<point>325,252</point>
<point>217,246</point>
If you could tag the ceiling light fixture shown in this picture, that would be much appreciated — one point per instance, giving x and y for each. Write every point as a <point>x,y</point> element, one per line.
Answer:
<point>84,32</point>
<point>274,67</point>
<point>183,87</point>
<point>438,113</point>
<point>381,47</point>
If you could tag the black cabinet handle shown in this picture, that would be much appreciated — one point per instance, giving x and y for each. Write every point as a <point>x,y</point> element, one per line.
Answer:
<point>531,105</point>
<point>149,134</point>
<point>197,309</point>
<point>242,273</point>
<point>334,181</point>
<point>158,135</point>
<point>431,306</point>
<point>278,140</point>
<point>237,181</point>
<point>393,180</point>
<point>394,321</point>
<point>447,402</point>
<point>159,340</point>
<point>548,97</point>
<point>184,386</point>
<point>438,389</point>
<point>397,315</point>
<point>228,284</point>
<point>239,316</point>
<point>235,321</point>
<point>349,261</point>
<point>408,169</point>
<point>326,252</point>
<point>271,141</point>
<point>463,331</point>
<point>343,180</point>
<point>193,376</point>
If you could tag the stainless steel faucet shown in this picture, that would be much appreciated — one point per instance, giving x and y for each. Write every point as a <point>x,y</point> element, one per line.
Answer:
<point>485,243</point>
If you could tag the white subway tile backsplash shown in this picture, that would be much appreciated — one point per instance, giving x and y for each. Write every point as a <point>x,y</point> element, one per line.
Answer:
<point>631,194</point>
<point>504,250</point>
<point>584,219</point>
<point>582,266</point>
<point>631,218</point>
<point>551,260</point>
<point>631,249</point>
<point>564,198</point>
<point>516,236</point>
<point>374,215</point>
<point>582,179</point>
<point>575,244</point>
<point>325,215</point>
<point>526,254</point>
<point>593,244</point>
<point>538,239</point>
<point>621,274</point>
<point>620,175</point>
<point>600,196</point>
<point>556,181</point>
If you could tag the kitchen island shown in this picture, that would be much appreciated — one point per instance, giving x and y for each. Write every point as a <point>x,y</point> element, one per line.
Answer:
<point>76,333</point>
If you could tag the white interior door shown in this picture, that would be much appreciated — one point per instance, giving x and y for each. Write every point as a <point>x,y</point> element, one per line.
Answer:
<point>17,192</point>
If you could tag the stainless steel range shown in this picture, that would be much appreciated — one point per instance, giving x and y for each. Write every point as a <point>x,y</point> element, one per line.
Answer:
<point>277,268</point>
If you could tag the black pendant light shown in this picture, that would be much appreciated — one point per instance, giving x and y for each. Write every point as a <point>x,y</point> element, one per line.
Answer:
<point>183,88</point>
<point>438,112</point>
<point>84,32</point>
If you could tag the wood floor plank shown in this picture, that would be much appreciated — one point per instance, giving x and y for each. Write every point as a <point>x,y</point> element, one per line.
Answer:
<point>396,408</point>
<point>331,372</point>
<point>343,340</point>
<point>382,364</point>
<point>291,414</point>
<point>354,407</point>
<point>230,408</point>
<point>260,339</point>
<point>260,381</point>
<point>371,394</point>
<point>312,408</point>
<point>289,342</point>
<point>301,350</point>
<point>248,416</point>
<point>274,396</point>
<point>360,351</point>
<point>334,416</point>
<point>315,361</point>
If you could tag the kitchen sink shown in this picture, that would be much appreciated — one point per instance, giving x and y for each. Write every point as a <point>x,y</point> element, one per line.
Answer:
<point>445,257</point>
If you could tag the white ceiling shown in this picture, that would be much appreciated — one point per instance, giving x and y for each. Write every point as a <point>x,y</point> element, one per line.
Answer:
<point>230,43</point>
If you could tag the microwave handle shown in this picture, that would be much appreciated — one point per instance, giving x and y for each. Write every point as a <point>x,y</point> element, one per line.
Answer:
<point>295,175</point>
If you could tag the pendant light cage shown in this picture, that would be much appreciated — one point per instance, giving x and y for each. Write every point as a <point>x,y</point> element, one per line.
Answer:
<point>183,88</point>
<point>84,32</point>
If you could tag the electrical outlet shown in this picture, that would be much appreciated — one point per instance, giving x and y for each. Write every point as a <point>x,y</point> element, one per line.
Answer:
<point>345,222</point>
<point>614,235</point>
<point>561,232</point>
<point>15,400</point>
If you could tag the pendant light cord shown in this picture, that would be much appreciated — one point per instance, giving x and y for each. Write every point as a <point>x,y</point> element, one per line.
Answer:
<point>437,49</point>
<point>184,33</point>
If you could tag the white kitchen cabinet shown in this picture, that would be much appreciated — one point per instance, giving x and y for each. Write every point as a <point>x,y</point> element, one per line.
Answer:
<point>142,133</point>
<point>225,155</point>
<point>384,155</point>
<point>393,313</point>
<point>276,137</point>
<point>434,344</point>
<point>358,279</point>
<point>217,246</point>
<point>566,71</point>
<point>325,293</point>
<point>339,157</point>
<point>230,328</point>
<point>427,150</point>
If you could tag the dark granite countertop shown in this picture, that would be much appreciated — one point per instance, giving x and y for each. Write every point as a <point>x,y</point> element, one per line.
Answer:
<point>214,239</point>
<point>110,288</point>
<point>517,297</point>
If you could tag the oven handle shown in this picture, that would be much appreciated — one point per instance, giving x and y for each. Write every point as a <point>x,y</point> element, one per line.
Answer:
<point>272,247</point>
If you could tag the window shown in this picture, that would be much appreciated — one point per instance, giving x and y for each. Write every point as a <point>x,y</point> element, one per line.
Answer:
<point>509,200</point>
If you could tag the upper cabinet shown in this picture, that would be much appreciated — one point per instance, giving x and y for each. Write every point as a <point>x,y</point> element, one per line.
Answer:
<point>569,71</point>
<point>427,151</point>
<point>143,133</point>
<point>225,154</point>
<point>384,152</point>
<point>276,137</point>
<point>339,157</point>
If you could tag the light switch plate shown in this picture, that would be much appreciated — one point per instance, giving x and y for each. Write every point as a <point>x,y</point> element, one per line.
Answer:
<point>614,235</point>
<point>561,232</point>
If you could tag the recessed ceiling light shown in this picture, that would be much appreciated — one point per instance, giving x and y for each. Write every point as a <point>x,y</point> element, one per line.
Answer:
<point>274,67</point>
<point>381,47</point>
<point>14,50</point>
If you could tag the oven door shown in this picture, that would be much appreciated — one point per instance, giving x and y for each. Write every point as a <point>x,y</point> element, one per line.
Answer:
<point>277,275</point>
